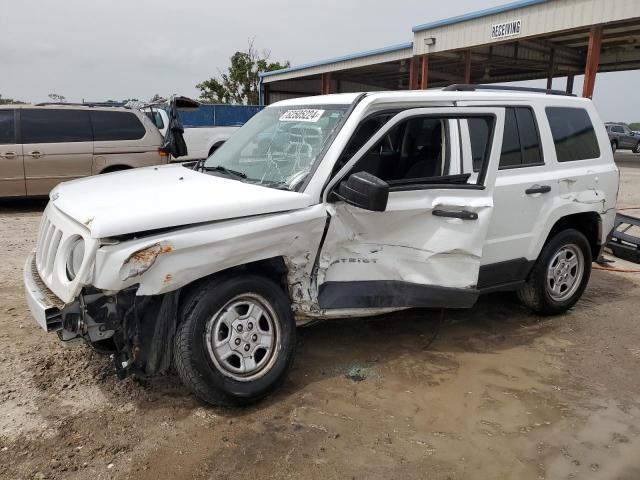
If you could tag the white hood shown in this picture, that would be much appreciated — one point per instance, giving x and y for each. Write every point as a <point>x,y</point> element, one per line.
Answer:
<point>165,196</point>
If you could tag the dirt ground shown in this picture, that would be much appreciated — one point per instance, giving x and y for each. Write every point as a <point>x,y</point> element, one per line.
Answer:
<point>499,394</point>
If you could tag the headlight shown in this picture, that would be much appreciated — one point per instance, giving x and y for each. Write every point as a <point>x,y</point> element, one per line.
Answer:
<point>75,257</point>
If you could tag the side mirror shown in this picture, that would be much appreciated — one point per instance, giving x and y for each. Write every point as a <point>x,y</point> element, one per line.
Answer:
<point>365,191</point>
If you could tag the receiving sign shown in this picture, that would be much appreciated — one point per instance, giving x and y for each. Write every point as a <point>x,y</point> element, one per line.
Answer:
<point>506,29</point>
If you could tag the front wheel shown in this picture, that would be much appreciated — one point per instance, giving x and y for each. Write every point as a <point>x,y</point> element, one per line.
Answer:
<point>637,148</point>
<point>614,146</point>
<point>236,340</point>
<point>560,274</point>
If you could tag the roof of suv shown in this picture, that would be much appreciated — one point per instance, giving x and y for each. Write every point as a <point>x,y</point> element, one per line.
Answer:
<point>64,106</point>
<point>431,95</point>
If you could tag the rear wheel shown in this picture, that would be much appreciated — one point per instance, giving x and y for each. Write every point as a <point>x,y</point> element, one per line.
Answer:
<point>236,340</point>
<point>560,274</point>
<point>637,148</point>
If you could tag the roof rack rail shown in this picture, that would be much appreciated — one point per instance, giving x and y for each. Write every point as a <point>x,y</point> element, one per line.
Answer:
<point>83,104</point>
<point>71,104</point>
<point>104,104</point>
<point>468,87</point>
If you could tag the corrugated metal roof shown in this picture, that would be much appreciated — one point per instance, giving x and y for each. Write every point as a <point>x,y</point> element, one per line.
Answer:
<point>478,14</point>
<point>367,53</point>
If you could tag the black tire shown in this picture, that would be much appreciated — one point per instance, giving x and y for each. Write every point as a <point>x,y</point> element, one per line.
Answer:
<point>535,293</point>
<point>637,148</point>
<point>614,146</point>
<point>193,360</point>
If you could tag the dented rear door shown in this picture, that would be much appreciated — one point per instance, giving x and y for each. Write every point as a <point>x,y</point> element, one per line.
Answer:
<point>425,249</point>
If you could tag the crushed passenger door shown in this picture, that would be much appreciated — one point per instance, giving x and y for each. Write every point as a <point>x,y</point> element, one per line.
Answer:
<point>425,249</point>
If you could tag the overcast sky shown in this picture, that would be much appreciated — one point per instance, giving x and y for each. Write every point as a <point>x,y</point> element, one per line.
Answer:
<point>115,49</point>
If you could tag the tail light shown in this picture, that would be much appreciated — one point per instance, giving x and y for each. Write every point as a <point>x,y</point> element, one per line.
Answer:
<point>163,152</point>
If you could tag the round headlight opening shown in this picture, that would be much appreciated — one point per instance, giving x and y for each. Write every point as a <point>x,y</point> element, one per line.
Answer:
<point>75,257</point>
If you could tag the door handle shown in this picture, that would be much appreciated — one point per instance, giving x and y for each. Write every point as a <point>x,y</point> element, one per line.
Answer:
<point>35,154</point>
<point>463,214</point>
<point>8,155</point>
<point>537,189</point>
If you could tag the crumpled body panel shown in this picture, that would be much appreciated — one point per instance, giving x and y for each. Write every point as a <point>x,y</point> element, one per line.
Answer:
<point>193,253</point>
<point>406,243</point>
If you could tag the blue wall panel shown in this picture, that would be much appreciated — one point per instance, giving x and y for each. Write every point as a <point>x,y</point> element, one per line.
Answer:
<point>218,115</point>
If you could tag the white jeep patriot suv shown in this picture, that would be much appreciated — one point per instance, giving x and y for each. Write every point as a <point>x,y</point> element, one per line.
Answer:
<point>330,206</point>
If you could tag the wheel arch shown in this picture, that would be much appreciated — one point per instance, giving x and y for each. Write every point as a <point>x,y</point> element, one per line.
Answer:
<point>587,223</point>
<point>273,268</point>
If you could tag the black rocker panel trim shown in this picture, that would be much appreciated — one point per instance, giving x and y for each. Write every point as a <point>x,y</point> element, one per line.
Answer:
<point>508,271</point>
<point>391,294</point>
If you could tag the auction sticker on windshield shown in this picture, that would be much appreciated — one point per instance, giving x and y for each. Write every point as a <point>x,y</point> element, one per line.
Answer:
<point>303,115</point>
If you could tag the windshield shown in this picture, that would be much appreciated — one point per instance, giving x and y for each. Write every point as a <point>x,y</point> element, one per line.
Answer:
<point>279,146</point>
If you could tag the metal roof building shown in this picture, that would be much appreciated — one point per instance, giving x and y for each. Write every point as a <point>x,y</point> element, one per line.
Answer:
<point>522,40</point>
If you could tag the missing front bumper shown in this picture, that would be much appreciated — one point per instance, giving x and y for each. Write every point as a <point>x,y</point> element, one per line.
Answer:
<point>44,306</point>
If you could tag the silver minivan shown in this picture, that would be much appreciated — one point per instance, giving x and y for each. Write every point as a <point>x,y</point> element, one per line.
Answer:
<point>43,145</point>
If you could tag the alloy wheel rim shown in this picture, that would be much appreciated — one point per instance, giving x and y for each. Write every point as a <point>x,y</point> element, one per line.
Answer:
<point>243,337</point>
<point>565,272</point>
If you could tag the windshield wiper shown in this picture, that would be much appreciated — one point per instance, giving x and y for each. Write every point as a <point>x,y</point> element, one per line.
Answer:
<point>270,184</point>
<point>219,168</point>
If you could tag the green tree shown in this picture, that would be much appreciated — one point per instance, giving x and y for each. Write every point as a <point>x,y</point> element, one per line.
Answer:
<point>9,101</point>
<point>635,126</point>
<point>57,98</point>
<point>240,84</point>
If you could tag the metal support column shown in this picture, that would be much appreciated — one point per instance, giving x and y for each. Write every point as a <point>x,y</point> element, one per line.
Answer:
<point>552,67</point>
<point>570,84</point>
<point>593,59</point>
<point>424,74</point>
<point>467,66</point>
<point>265,94</point>
<point>326,83</point>
<point>413,73</point>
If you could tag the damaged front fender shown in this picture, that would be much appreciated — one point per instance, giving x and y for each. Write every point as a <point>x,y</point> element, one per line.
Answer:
<point>167,261</point>
<point>142,260</point>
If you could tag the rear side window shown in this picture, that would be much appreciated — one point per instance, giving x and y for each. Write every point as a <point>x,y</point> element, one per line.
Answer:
<point>55,126</point>
<point>7,127</point>
<point>156,118</point>
<point>529,139</point>
<point>116,126</point>
<point>520,142</point>
<point>573,134</point>
<point>520,139</point>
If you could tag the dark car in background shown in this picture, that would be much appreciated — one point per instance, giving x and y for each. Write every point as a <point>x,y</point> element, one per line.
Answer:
<point>622,137</point>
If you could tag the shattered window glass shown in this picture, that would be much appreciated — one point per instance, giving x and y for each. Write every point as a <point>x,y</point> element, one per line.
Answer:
<point>279,146</point>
